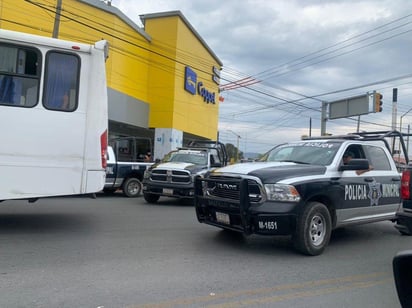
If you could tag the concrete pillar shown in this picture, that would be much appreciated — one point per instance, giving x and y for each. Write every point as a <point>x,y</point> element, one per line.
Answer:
<point>166,140</point>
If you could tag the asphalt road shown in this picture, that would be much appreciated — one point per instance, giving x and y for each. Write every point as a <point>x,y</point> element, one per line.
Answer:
<point>120,252</point>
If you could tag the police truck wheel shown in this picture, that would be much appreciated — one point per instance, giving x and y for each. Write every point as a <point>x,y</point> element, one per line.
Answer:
<point>151,198</point>
<point>313,229</point>
<point>404,230</point>
<point>132,188</point>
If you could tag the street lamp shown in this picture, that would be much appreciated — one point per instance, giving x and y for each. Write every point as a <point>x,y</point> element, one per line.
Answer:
<point>400,128</point>
<point>237,146</point>
<point>400,122</point>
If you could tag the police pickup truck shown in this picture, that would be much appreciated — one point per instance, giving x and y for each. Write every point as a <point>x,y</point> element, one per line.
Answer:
<point>174,175</point>
<point>306,189</point>
<point>126,165</point>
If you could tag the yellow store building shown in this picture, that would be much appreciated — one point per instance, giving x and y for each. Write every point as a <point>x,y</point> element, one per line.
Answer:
<point>162,78</point>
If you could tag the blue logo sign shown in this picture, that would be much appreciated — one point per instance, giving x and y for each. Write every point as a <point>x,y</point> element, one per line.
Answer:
<point>192,86</point>
<point>190,80</point>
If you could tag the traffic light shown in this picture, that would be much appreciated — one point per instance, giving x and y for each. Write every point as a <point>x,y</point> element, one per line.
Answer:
<point>377,101</point>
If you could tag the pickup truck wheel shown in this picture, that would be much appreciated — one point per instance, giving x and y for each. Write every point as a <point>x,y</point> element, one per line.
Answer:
<point>132,188</point>
<point>404,227</point>
<point>313,229</point>
<point>405,231</point>
<point>150,198</point>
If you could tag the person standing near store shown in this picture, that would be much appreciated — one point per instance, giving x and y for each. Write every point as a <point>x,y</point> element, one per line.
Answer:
<point>148,157</point>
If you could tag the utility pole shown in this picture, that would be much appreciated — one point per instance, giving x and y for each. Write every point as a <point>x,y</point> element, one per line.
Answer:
<point>57,19</point>
<point>310,127</point>
<point>400,121</point>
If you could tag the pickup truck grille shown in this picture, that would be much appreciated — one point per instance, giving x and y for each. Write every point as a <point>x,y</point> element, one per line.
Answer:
<point>227,188</point>
<point>170,176</point>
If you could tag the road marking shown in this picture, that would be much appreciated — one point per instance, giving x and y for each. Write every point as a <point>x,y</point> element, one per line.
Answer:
<point>301,294</point>
<point>308,289</point>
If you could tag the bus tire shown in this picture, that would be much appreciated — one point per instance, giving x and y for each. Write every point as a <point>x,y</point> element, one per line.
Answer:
<point>132,188</point>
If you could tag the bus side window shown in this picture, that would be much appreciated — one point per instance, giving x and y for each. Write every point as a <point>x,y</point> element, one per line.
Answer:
<point>61,81</point>
<point>18,72</point>
<point>31,96</point>
<point>6,89</point>
<point>8,60</point>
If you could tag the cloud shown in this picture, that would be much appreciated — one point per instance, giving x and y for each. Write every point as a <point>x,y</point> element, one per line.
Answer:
<point>300,50</point>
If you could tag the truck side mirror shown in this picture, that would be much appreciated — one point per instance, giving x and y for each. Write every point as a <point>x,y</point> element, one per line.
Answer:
<point>356,164</point>
<point>402,271</point>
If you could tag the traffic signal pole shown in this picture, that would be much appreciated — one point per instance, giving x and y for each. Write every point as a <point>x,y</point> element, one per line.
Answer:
<point>323,119</point>
<point>395,108</point>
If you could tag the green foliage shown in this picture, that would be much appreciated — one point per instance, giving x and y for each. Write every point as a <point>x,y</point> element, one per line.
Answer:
<point>232,151</point>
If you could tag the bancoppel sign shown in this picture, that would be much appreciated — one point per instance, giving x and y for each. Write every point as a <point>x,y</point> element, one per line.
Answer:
<point>194,87</point>
<point>190,80</point>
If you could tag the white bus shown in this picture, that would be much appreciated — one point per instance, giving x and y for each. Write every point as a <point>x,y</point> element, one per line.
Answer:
<point>53,116</point>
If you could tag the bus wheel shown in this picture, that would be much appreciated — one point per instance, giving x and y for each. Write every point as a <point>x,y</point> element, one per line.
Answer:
<point>132,188</point>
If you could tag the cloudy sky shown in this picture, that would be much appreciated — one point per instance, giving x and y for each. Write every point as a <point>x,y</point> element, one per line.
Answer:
<point>296,55</point>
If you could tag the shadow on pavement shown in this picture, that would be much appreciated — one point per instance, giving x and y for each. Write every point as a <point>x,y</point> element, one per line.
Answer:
<point>20,223</point>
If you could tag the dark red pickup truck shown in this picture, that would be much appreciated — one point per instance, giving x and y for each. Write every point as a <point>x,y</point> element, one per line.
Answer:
<point>404,214</point>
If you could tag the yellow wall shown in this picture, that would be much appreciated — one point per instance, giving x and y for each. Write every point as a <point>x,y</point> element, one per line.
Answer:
<point>24,17</point>
<point>171,105</point>
<point>162,72</point>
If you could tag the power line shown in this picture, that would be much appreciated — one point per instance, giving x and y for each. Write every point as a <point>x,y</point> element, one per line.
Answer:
<point>271,106</point>
<point>275,71</point>
<point>340,48</point>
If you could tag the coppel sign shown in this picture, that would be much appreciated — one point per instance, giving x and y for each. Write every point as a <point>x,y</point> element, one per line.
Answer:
<point>196,87</point>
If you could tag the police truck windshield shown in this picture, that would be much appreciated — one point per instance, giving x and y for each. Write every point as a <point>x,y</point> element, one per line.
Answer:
<point>314,153</point>
<point>193,157</point>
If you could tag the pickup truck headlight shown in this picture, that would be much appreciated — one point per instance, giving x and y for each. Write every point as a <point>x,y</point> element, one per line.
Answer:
<point>282,192</point>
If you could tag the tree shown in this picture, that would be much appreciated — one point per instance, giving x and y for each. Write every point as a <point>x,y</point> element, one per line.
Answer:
<point>232,152</point>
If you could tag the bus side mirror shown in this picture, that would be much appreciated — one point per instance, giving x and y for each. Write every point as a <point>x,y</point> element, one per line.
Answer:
<point>402,272</point>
